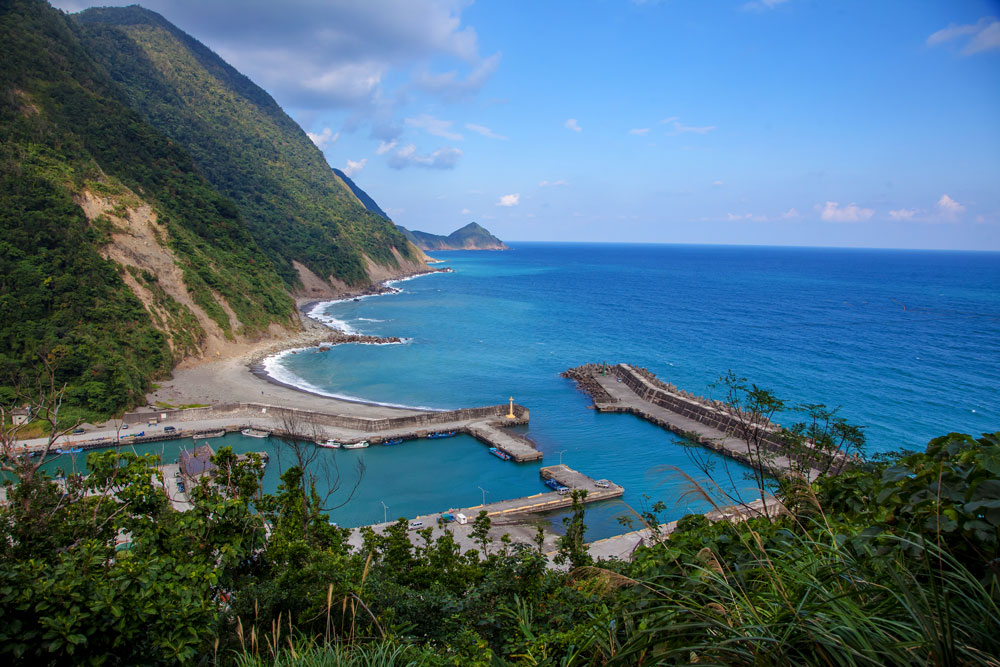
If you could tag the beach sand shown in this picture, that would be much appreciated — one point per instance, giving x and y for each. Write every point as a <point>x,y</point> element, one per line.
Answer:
<point>237,377</point>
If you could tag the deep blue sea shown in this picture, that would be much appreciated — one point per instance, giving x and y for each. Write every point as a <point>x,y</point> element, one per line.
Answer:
<point>907,343</point>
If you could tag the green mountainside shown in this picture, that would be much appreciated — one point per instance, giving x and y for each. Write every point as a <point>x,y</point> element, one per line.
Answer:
<point>362,196</point>
<point>84,178</point>
<point>246,146</point>
<point>152,203</point>
<point>471,237</point>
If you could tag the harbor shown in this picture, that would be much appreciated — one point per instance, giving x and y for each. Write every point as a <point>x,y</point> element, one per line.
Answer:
<point>712,424</point>
<point>489,425</point>
<point>516,517</point>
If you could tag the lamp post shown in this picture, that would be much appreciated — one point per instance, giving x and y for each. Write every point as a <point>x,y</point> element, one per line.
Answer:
<point>385,512</point>
<point>484,494</point>
<point>560,456</point>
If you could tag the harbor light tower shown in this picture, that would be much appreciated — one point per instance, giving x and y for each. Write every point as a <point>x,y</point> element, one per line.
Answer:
<point>511,415</point>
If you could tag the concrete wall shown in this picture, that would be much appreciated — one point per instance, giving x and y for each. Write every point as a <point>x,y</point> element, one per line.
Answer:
<point>303,418</point>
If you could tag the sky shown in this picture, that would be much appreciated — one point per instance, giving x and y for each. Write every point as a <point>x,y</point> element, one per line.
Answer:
<point>773,122</point>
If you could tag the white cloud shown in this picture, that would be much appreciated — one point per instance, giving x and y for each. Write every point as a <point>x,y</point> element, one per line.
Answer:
<point>949,208</point>
<point>680,128</point>
<point>485,131</point>
<point>642,131</point>
<point>902,214</point>
<point>466,211</point>
<point>322,55</point>
<point>442,158</point>
<point>452,86</point>
<point>791,214</point>
<point>323,138</point>
<point>509,200</point>
<point>668,119</point>
<point>832,212</point>
<point>553,184</point>
<point>435,126</point>
<point>983,35</point>
<point>385,146</point>
<point>354,167</point>
<point>572,124</point>
<point>753,217</point>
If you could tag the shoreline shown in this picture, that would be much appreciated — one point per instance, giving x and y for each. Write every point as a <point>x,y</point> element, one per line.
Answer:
<point>243,377</point>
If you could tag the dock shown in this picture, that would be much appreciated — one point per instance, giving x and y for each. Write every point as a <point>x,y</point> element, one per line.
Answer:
<point>625,388</point>
<point>490,425</point>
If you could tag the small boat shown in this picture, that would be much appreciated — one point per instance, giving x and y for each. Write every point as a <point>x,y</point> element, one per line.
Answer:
<point>394,441</point>
<point>499,453</point>
<point>254,433</point>
<point>357,445</point>
<point>330,444</point>
<point>441,434</point>
<point>555,486</point>
<point>74,450</point>
<point>208,434</point>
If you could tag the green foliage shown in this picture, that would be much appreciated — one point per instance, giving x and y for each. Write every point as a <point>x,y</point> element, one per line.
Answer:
<point>65,127</point>
<point>244,144</point>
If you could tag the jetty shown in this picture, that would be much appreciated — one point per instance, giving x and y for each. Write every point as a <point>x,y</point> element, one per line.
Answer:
<point>712,424</point>
<point>490,425</point>
<point>515,516</point>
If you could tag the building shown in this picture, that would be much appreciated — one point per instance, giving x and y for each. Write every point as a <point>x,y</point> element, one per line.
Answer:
<point>197,461</point>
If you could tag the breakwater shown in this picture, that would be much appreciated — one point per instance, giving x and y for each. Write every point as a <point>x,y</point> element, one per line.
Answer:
<point>300,417</point>
<point>714,424</point>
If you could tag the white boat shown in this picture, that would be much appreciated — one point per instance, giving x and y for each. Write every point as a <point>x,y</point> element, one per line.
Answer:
<point>254,433</point>
<point>330,444</point>
<point>357,445</point>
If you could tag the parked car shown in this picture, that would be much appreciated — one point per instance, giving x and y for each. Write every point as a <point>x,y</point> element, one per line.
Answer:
<point>169,429</point>
<point>416,524</point>
<point>124,426</point>
<point>78,431</point>
<point>602,484</point>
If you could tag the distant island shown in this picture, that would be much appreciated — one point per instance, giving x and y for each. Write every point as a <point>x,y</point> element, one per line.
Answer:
<point>471,237</point>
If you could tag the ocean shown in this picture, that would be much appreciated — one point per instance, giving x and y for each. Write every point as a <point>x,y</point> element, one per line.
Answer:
<point>905,343</point>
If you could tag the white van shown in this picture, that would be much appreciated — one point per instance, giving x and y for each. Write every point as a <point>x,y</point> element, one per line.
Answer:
<point>461,518</point>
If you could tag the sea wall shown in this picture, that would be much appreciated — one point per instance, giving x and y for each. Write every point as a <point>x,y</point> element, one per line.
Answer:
<point>299,420</point>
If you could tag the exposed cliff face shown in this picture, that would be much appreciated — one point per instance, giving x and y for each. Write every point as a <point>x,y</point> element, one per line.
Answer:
<point>471,237</point>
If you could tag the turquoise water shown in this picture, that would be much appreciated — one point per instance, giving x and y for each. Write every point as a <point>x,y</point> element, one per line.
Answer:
<point>906,342</point>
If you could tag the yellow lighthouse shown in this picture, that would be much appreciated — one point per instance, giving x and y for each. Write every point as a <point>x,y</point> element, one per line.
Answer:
<point>511,415</point>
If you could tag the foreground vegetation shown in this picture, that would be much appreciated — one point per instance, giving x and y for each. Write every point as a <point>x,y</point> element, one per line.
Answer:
<point>891,562</point>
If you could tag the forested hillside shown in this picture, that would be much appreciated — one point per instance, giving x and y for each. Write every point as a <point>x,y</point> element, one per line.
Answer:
<point>83,177</point>
<point>247,147</point>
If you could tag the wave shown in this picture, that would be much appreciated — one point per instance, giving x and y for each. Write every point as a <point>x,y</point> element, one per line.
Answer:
<point>277,371</point>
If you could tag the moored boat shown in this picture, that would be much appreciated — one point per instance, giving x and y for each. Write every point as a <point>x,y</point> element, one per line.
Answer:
<point>357,445</point>
<point>330,444</point>
<point>393,441</point>
<point>254,433</point>
<point>499,453</point>
<point>441,434</point>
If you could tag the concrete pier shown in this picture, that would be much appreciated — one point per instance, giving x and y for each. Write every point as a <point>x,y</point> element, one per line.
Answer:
<point>623,388</point>
<point>487,424</point>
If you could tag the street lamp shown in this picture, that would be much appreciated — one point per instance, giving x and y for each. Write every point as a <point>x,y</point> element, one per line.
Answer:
<point>484,494</point>
<point>560,456</point>
<point>385,512</point>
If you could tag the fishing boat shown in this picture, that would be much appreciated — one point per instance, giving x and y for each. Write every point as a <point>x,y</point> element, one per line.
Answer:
<point>441,434</point>
<point>208,434</point>
<point>254,433</point>
<point>330,444</point>
<point>394,441</point>
<point>357,445</point>
<point>499,453</point>
<point>74,450</point>
<point>555,486</point>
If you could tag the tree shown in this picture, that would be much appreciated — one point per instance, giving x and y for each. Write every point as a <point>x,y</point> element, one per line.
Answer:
<point>481,530</point>
<point>571,545</point>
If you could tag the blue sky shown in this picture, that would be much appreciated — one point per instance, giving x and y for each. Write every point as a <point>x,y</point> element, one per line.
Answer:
<point>776,122</point>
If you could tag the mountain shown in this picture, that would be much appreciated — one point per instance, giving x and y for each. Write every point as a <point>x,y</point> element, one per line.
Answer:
<point>471,237</point>
<point>310,223</point>
<point>362,196</point>
<point>143,220</point>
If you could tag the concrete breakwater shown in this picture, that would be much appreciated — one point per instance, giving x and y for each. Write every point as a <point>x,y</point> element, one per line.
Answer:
<point>624,388</point>
<point>311,417</point>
